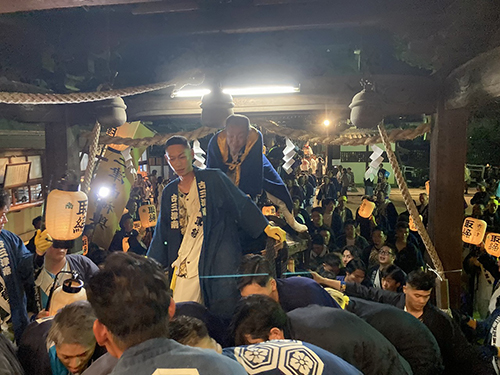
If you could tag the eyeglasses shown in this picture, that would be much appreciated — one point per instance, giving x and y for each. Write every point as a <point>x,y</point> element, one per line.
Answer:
<point>385,252</point>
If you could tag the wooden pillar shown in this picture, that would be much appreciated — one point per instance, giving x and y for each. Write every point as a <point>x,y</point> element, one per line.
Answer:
<point>446,203</point>
<point>61,152</point>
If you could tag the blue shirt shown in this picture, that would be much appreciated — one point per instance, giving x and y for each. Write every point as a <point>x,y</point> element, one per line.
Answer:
<point>295,292</point>
<point>163,353</point>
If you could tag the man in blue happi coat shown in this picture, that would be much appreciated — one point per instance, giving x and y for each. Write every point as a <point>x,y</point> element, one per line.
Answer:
<point>238,152</point>
<point>196,237</point>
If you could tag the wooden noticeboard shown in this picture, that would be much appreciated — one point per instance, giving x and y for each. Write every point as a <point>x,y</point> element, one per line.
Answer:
<point>17,174</point>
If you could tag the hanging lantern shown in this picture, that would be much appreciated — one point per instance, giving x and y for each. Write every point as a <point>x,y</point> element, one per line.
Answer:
<point>427,187</point>
<point>366,208</point>
<point>492,244</point>
<point>148,217</point>
<point>71,291</point>
<point>412,225</point>
<point>111,113</point>
<point>66,213</point>
<point>366,107</point>
<point>216,107</point>
<point>473,231</point>
<point>269,211</point>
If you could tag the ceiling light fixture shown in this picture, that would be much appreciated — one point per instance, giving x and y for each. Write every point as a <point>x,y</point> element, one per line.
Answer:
<point>242,91</point>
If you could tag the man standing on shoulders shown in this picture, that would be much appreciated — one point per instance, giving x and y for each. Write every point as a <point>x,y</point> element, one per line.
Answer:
<point>16,277</point>
<point>196,237</point>
<point>133,325</point>
<point>237,151</point>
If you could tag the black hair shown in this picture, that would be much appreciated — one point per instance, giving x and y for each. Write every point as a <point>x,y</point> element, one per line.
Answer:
<point>355,264</point>
<point>131,297</point>
<point>124,218</point>
<point>187,330</point>
<point>421,280</point>
<point>402,225</point>
<point>317,239</point>
<point>332,260</point>
<point>255,316</point>
<point>395,273</point>
<point>36,220</point>
<point>355,252</point>
<point>379,229</point>
<point>177,140</point>
<point>327,201</point>
<point>4,198</point>
<point>318,209</point>
<point>350,222</point>
<point>256,266</point>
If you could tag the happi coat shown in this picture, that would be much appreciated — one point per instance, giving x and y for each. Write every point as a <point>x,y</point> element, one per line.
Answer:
<point>224,209</point>
<point>253,171</point>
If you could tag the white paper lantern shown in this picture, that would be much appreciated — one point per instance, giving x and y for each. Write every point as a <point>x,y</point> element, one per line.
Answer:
<point>71,291</point>
<point>473,230</point>
<point>148,216</point>
<point>492,244</point>
<point>412,225</point>
<point>366,208</point>
<point>66,214</point>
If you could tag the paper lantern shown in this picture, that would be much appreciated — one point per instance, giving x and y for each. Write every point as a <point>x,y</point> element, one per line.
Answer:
<point>71,291</point>
<point>412,225</point>
<point>85,245</point>
<point>473,231</point>
<point>427,186</point>
<point>66,213</point>
<point>492,244</point>
<point>269,211</point>
<point>148,216</point>
<point>366,208</point>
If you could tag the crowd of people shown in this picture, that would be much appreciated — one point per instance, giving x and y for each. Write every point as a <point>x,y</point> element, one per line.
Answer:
<point>211,297</point>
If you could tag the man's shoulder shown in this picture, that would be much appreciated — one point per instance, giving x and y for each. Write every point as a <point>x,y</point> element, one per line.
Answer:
<point>155,353</point>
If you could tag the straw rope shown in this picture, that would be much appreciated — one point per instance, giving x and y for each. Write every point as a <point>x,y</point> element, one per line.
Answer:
<point>191,78</point>
<point>94,150</point>
<point>350,137</point>
<point>410,205</point>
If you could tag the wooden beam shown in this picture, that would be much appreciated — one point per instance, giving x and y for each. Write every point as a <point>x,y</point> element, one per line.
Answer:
<point>446,203</point>
<point>12,6</point>
<point>403,95</point>
<point>475,83</point>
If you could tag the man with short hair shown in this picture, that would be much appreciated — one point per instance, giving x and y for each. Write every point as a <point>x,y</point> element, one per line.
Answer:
<point>459,356</point>
<point>259,318</point>
<point>196,237</point>
<point>341,214</point>
<point>133,324</point>
<point>423,208</point>
<point>16,278</point>
<point>71,342</point>
<point>237,151</point>
<point>291,293</point>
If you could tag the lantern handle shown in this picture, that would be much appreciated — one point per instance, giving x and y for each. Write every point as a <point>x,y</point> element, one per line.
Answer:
<point>53,287</point>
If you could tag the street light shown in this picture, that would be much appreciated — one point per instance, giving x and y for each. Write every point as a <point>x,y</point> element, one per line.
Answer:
<point>326,123</point>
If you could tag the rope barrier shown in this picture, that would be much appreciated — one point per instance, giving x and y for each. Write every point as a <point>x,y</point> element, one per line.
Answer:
<point>94,150</point>
<point>350,137</point>
<point>410,205</point>
<point>191,78</point>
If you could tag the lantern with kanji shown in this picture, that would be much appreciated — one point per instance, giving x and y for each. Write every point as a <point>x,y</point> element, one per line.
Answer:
<point>473,230</point>
<point>65,215</point>
<point>492,244</point>
<point>412,225</point>
<point>148,217</point>
<point>269,211</point>
<point>366,208</point>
